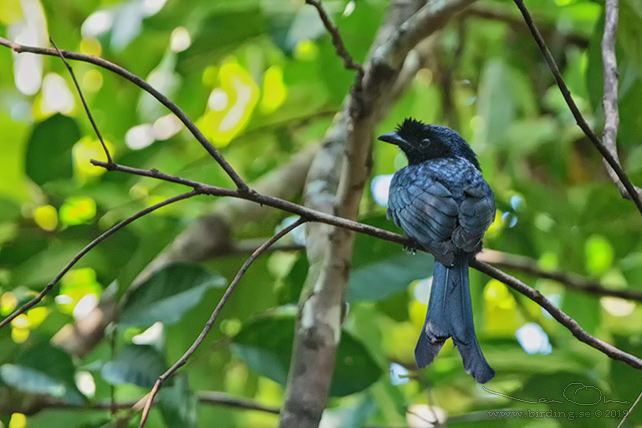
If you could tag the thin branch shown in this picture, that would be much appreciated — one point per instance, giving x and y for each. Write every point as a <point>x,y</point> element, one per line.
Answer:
<point>626,416</point>
<point>574,282</point>
<point>318,216</point>
<point>282,204</point>
<point>205,397</point>
<point>214,397</point>
<point>18,48</point>
<point>557,313</point>
<point>84,103</point>
<point>210,323</point>
<point>337,41</point>
<point>581,122</point>
<point>89,247</point>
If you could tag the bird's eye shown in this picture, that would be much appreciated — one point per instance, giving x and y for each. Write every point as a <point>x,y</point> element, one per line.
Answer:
<point>425,142</point>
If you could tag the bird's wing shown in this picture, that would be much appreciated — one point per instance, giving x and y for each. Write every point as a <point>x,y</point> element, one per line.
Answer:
<point>476,214</point>
<point>426,210</point>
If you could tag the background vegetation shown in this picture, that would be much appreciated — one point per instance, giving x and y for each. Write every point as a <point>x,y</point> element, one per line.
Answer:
<point>262,81</point>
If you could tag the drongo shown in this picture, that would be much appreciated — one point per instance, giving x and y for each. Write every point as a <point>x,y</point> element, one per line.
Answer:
<point>445,206</point>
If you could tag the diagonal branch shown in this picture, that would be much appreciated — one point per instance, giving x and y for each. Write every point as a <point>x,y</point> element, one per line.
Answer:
<point>337,41</point>
<point>89,247</point>
<point>581,122</point>
<point>558,314</point>
<point>210,323</point>
<point>18,48</point>
<point>84,103</point>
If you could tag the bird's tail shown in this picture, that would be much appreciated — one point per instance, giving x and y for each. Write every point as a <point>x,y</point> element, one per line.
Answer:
<point>450,314</point>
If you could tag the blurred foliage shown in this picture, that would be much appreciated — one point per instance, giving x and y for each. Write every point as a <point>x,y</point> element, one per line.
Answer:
<point>261,79</point>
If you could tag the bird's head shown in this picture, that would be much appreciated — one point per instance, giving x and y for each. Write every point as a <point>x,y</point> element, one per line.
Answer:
<point>421,142</point>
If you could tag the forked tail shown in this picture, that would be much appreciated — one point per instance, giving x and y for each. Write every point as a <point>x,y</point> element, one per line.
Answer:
<point>450,314</point>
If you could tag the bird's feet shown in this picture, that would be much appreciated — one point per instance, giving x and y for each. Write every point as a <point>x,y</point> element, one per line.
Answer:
<point>412,249</point>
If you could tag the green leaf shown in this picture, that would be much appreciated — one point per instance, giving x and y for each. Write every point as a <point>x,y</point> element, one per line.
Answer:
<point>43,369</point>
<point>265,344</point>
<point>382,278</point>
<point>49,147</point>
<point>137,364</point>
<point>381,268</point>
<point>169,294</point>
<point>30,380</point>
<point>177,404</point>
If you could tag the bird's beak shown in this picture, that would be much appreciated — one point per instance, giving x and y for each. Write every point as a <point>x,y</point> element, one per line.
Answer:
<point>392,138</point>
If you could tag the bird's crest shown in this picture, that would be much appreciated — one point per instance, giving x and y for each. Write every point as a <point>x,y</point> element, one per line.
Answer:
<point>412,130</point>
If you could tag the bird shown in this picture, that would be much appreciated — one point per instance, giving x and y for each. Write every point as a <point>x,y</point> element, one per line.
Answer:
<point>444,205</point>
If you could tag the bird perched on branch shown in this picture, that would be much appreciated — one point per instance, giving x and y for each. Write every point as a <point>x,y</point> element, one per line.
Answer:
<point>445,206</point>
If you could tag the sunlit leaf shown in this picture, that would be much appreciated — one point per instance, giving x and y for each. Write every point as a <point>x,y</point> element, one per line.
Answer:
<point>77,210</point>
<point>599,254</point>
<point>46,217</point>
<point>274,90</point>
<point>223,120</point>
<point>500,317</point>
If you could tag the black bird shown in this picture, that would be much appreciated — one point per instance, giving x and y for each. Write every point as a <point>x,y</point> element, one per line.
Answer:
<point>443,203</point>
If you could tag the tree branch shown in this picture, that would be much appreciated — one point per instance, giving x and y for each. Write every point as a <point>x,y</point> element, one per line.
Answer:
<point>581,122</point>
<point>337,41</point>
<point>18,48</point>
<point>84,103</point>
<point>574,282</point>
<point>210,323</point>
<point>206,397</point>
<point>318,216</point>
<point>89,247</point>
<point>557,313</point>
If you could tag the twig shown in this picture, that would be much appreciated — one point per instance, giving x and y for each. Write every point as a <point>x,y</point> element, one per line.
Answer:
<point>337,41</point>
<point>557,313</point>
<point>205,397</point>
<point>630,411</point>
<point>213,397</point>
<point>89,247</point>
<point>210,323</point>
<point>84,103</point>
<point>529,266</point>
<point>581,122</point>
<point>18,48</point>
